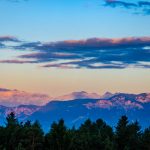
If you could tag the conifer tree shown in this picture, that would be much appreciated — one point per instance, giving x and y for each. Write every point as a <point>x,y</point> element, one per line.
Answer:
<point>122,133</point>
<point>12,132</point>
<point>145,140</point>
<point>134,134</point>
<point>57,138</point>
<point>33,136</point>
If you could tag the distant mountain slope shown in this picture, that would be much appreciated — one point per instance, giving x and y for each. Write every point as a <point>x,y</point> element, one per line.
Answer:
<point>74,112</point>
<point>22,112</point>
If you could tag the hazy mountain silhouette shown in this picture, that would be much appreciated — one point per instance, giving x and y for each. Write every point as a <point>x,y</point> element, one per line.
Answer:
<point>74,112</point>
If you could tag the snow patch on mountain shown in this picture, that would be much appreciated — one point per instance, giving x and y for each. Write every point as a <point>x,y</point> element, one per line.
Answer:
<point>121,100</point>
<point>143,98</point>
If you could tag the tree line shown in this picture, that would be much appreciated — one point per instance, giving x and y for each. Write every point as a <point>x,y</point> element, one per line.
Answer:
<point>89,136</point>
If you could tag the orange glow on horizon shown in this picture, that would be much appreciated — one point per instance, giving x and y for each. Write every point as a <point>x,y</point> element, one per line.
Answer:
<point>56,82</point>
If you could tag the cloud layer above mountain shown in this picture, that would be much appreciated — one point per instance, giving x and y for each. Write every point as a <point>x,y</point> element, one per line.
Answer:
<point>78,95</point>
<point>138,7</point>
<point>14,97</point>
<point>93,53</point>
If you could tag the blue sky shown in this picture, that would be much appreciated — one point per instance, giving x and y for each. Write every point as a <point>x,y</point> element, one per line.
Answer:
<point>98,45</point>
<point>53,20</point>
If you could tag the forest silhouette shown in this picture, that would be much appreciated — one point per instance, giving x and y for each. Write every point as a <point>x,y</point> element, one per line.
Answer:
<point>90,135</point>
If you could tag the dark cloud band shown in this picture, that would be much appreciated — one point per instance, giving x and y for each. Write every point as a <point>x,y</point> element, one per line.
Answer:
<point>94,53</point>
<point>139,7</point>
<point>8,39</point>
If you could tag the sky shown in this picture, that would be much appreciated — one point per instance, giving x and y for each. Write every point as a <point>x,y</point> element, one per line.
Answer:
<point>56,47</point>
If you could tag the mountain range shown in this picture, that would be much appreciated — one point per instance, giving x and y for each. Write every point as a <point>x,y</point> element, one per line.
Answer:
<point>76,107</point>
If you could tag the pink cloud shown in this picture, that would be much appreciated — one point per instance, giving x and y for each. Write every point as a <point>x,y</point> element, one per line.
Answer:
<point>8,38</point>
<point>15,97</point>
<point>16,61</point>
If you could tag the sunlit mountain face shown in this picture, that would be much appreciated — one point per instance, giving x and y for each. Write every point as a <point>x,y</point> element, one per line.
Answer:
<point>76,107</point>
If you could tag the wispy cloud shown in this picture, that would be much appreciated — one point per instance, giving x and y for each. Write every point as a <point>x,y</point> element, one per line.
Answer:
<point>115,3</point>
<point>94,53</point>
<point>16,61</point>
<point>4,90</point>
<point>8,39</point>
<point>139,7</point>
